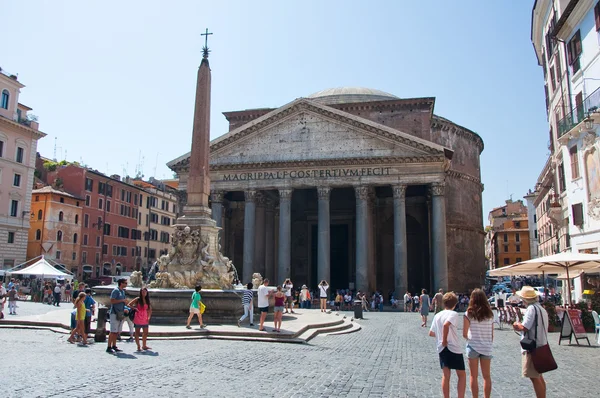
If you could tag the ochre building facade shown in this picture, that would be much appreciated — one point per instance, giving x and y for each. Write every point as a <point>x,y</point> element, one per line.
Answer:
<point>356,186</point>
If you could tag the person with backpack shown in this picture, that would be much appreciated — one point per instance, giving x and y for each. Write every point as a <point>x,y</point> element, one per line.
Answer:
<point>195,308</point>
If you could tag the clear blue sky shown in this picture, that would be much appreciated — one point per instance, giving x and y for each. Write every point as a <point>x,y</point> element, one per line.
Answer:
<point>114,79</point>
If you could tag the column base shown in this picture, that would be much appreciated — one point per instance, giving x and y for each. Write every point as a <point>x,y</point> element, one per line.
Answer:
<point>197,216</point>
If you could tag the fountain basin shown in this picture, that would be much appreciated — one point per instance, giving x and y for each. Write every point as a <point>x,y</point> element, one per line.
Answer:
<point>172,306</point>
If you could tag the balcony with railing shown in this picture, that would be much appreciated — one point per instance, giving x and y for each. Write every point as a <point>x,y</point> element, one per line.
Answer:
<point>590,105</point>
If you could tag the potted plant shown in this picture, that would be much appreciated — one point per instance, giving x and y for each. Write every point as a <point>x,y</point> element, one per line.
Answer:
<point>553,321</point>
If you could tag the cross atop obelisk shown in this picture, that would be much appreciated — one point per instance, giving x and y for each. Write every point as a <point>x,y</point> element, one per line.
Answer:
<point>197,212</point>
<point>205,49</point>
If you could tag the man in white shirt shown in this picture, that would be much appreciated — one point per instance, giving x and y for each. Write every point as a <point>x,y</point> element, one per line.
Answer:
<point>445,329</point>
<point>289,298</point>
<point>539,334</point>
<point>323,286</point>
<point>57,291</point>
<point>407,301</point>
<point>263,302</point>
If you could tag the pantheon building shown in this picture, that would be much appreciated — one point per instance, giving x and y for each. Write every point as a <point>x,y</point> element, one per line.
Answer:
<point>356,186</point>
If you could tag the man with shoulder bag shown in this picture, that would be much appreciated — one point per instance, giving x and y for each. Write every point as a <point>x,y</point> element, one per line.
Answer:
<point>535,351</point>
<point>117,314</point>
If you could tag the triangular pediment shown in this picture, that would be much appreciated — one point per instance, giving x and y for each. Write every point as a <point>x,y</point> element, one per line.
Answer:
<point>304,130</point>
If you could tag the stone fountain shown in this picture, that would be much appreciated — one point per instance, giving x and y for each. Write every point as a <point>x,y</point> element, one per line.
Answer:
<point>195,256</point>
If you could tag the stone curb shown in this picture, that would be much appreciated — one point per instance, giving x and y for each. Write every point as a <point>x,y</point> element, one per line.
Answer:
<point>302,336</point>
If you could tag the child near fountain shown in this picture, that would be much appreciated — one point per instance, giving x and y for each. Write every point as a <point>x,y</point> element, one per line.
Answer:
<point>195,308</point>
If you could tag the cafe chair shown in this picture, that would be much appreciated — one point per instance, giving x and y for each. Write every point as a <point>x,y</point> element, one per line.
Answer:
<point>596,323</point>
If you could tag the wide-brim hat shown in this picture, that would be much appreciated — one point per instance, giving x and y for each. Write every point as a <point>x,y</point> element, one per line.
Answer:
<point>304,287</point>
<point>527,292</point>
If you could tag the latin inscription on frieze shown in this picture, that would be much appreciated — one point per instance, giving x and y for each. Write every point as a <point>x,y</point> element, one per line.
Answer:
<point>309,173</point>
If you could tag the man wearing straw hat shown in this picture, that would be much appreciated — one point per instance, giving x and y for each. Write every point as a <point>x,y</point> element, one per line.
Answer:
<point>531,300</point>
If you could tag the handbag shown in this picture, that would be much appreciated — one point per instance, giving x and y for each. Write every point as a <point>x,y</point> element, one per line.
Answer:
<point>542,358</point>
<point>120,315</point>
<point>528,344</point>
<point>202,308</point>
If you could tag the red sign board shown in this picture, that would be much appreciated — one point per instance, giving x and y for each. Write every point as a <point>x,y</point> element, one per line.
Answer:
<point>578,328</point>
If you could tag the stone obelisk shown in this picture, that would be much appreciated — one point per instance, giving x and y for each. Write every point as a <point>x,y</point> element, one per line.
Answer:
<point>196,212</point>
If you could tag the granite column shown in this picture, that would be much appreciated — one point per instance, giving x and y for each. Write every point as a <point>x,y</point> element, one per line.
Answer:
<point>362,253</point>
<point>438,237</point>
<point>323,258</point>
<point>249,225</point>
<point>285,235</point>
<point>400,246</point>
<point>269,240</point>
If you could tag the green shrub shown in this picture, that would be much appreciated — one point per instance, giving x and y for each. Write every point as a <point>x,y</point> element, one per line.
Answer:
<point>586,316</point>
<point>551,310</point>
<point>50,166</point>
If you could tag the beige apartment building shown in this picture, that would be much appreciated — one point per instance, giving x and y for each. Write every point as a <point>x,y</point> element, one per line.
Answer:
<point>18,146</point>
<point>157,215</point>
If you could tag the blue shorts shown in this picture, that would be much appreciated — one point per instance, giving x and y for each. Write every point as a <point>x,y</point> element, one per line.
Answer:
<point>472,354</point>
<point>451,360</point>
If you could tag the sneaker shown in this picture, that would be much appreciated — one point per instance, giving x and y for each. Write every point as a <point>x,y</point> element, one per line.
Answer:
<point>110,350</point>
<point>188,327</point>
<point>130,340</point>
<point>117,349</point>
<point>238,323</point>
<point>251,324</point>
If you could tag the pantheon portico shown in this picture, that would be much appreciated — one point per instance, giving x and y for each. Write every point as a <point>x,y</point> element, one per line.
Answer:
<point>354,186</point>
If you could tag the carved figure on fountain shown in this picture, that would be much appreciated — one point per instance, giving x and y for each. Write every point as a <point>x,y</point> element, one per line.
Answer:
<point>194,259</point>
<point>136,279</point>
<point>257,280</point>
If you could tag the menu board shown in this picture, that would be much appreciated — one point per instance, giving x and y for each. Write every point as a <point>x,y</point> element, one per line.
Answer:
<point>572,327</point>
<point>578,328</point>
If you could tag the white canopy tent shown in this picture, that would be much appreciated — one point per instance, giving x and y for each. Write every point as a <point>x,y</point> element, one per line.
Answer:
<point>569,264</point>
<point>43,269</point>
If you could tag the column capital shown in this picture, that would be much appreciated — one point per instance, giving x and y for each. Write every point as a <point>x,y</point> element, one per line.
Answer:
<point>362,192</point>
<point>269,204</point>
<point>372,194</point>
<point>261,200</point>
<point>437,188</point>
<point>285,193</point>
<point>217,196</point>
<point>399,191</point>
<point>250,196</point>
<point>324,193</point>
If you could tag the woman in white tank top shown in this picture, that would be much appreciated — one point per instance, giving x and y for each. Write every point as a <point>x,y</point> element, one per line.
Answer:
<point>478,330</point>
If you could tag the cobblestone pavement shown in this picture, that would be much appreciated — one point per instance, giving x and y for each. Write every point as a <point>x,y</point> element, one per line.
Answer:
<point>391,357</point>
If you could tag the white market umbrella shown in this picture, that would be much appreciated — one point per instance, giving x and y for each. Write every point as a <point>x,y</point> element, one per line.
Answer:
<point>41,268</point>
<point>561,263</point>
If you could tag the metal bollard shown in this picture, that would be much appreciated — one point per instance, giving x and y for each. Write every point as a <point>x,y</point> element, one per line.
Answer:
<point>358,312</point>
<point>100,334</point>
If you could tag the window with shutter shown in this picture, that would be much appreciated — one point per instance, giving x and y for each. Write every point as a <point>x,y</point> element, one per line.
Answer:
<point>574,51</point>
<point>579,106</point>
<point>577,214</point>
<point>574,162</point>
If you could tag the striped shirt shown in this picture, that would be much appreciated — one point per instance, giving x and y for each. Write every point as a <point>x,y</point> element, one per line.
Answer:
<point>479,336</point>
<point>247,297</point>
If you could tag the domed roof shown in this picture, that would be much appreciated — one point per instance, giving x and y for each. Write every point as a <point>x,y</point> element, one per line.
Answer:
<point>344,95</point>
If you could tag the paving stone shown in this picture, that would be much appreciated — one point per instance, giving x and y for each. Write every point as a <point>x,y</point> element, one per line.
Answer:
<point>390,356</point>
